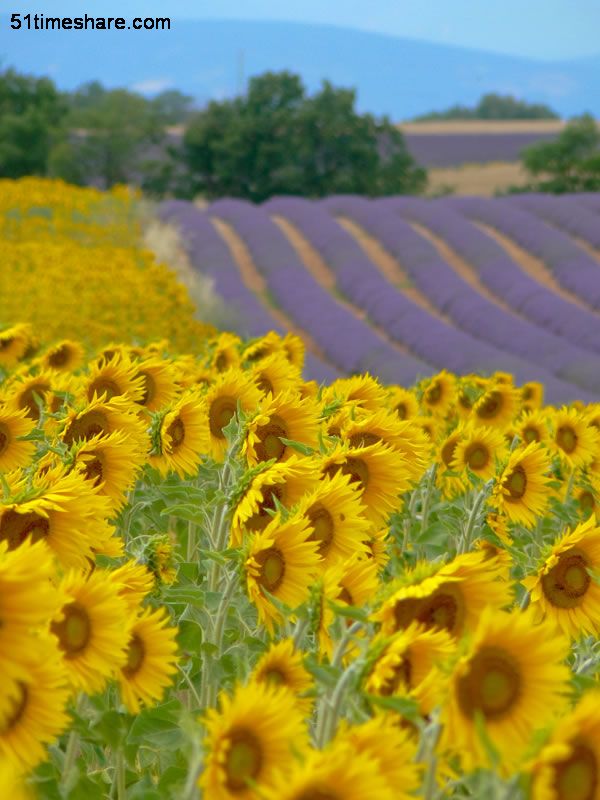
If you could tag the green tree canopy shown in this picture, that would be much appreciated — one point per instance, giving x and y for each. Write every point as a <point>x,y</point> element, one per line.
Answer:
<point>493,106</point>
<point>277,140</point>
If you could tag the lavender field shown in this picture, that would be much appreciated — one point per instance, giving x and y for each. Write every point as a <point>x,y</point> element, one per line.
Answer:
<point>403,287</point>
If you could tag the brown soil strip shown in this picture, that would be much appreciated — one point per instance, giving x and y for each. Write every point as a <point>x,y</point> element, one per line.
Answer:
<point>256,283</point>
<point>322,273</point>
<point>459,265</point>
<point>533,266</point>
<point>389,266</point>
<point>483,126</point>
<point>592,252</point>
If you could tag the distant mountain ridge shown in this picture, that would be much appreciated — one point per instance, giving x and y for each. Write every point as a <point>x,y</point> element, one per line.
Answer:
<point>212,59</point>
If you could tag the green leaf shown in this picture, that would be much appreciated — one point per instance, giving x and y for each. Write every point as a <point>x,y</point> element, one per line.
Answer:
<point>402,705</point>
<point>158,727</point>
<point>187,511</point>
<point>342,610</point>
<point>194,595</point>
<point>301,448</point>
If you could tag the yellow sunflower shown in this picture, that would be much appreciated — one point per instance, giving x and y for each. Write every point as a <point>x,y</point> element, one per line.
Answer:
<point>282,562</point>
<point>14,452</point>
<point>293,348</point>
<point>264,346</point>
<point>338,773</point>
<point>285,481</point>
<point>110,462</point>
<point>65,356</point>
<point>33,706</point>
<point>448,597</point>
<point>115,378</point>
<point>14,344</point>
<point>283,665</point>
<point>65,511</point>
<point>336,518</point>
<point>92,629</point>
<point>363,390</point>
<point>230,389</point>
<point>568,765</point>
<point>12,782</point>
<point>134,581</point>
<point>498,406</point>
<point>226,353</point>
<point>402,402</point>
<point>532,395</point>
<point>573,439</point>
<point>251,740</point>
<point>449,483</point>
<point>513,679</point>
<point>439,393</point>
<point>563,589</point>
<point>151,660</point>
<point>284,416</point>
<point>587,499</point>
<point>104,417</point>
<point>478,450</point>
<point>392,749</point>
<point>533,427</point>
<point>159,382</point>
<point>377,546</point>
<point>521,491</point>
<point>184,437</point>
<point>379,473</point>
<point>28,392</point>
<point>274,374</point>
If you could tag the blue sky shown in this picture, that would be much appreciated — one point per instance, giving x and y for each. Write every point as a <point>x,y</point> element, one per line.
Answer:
<point>544,29</point>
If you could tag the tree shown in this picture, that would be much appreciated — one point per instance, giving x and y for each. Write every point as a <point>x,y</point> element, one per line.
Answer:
<point>493,106</point>
<point>31,113</point>
<point>277,140</point>
<point>571,163</point>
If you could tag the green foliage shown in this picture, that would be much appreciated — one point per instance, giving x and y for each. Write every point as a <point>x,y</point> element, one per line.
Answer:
<point>31,111</point>
<point>277,140</point>
<point>493,106</point>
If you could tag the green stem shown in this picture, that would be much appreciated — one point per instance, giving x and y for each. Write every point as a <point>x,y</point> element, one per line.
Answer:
<point>331,711</point>
<point>427,497</point>
<point>120,775</point>
<point>72,750</point>
<point>465,542</point>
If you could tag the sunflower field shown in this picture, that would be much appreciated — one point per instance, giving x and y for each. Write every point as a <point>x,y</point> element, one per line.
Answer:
<point>220,580</point>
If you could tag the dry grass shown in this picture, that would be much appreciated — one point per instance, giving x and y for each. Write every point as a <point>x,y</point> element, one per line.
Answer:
<point>542,126</point>
<point>476,179</point>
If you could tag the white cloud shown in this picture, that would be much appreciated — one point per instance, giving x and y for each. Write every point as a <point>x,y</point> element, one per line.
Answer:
<point>152,85</point>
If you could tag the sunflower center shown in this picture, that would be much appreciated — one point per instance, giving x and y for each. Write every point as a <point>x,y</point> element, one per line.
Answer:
<point>6,343</point>
<point>4,437</point>
<point>103,386</point>
<point>566,438</point>
<point>74,631</point>
<point>405,611</point>
<point>440,610</point>
<point>275,677</point>
<point>358,471</point>
<point>576,778</point>
<point>149,389</point>
<point>363,439</point>
<point>176,432</point>
<point>491,405</point>
<point>269,443</point>
<point>568,581</point>
<point>477,456</point>
<point>491,685</point>
<point>448,451</point>
<point>243,761</point>
<point>323,528</point>
<point>531,434</point>
<point>316,793</point>
<point>221,362</point>
<point>221,411</point>
<point>15,528</point>
<point>94,470</point>
<point>59,357</point>
<point>586,501</point>
<point>433,394</point>
<point>265,385</point>
<point>86,427</point>
<point>400,678</point>
<point>272,568</point>
<point>27,399</point>
<point>136,653</point>
<point>260,520</point>
<point>516,483</point>
<point>15,710</point>
<point>401,410</point>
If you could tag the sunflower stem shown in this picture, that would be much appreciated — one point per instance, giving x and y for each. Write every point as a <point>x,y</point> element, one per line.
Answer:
<point>120,774</point>
<point>466,540</point>
<point>299,631</point>
<point>427,496</point>
<point>331,709</point>
<point>72,749</point>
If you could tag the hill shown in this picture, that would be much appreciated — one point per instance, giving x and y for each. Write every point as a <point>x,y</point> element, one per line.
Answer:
<point>399,77</point>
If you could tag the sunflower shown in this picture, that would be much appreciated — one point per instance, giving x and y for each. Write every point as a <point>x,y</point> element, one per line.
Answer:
<point>66,356</point>
<point>14,344</point>
<point>478,450</point>
<point>184,437</point>
<point>498,523</point>
<point>226,353</point>
<point>406,665</point>
<point>449,483</point>
<point>92,629</point>
<point>27,598</point>
<point>563,589</point>
<point>115,378</point>
<point>283,665</point>
<point>392,749</point>
<point>573,439</point>
<point>159,383</point>
<point>231,388</point>
<point>365,391</point>
<point>109,462</point>
<point>512,678</point>
<point>282,562</point>
<point>380,474</point>
<point>29,392</point>
<point>377,546</point>
<point>497,406</point>
<point>521,490</point>
<point>14,452</point>
<point>532,427</point>
<point>294,350</point>
<point>12,782</point>
<point>274,374</point>
<point>104,417</point>
<point>250,741</point>
<point>65,511</point>
<point>284,481</point>
<point>336,518</point>
<point>284,416</point>
<point>439,393</point>
<point>265,346</point>
<point>532,395</point>
<point>340,772</point>
<point>33,706</point>
<point>151,660</point>
<point>568,765</point>
<point>448,597</point>
<point>134,581</point>
<point>587,499</point>
<point>402,402</point>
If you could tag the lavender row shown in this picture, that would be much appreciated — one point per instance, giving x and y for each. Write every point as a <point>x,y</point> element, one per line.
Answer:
<point>572,267</point>
<point>560,319</point>
<point>209,254</point>
<point>563,212</point>
<point>432,275</point>
<point>453,149</point>
<point>348,342</point>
